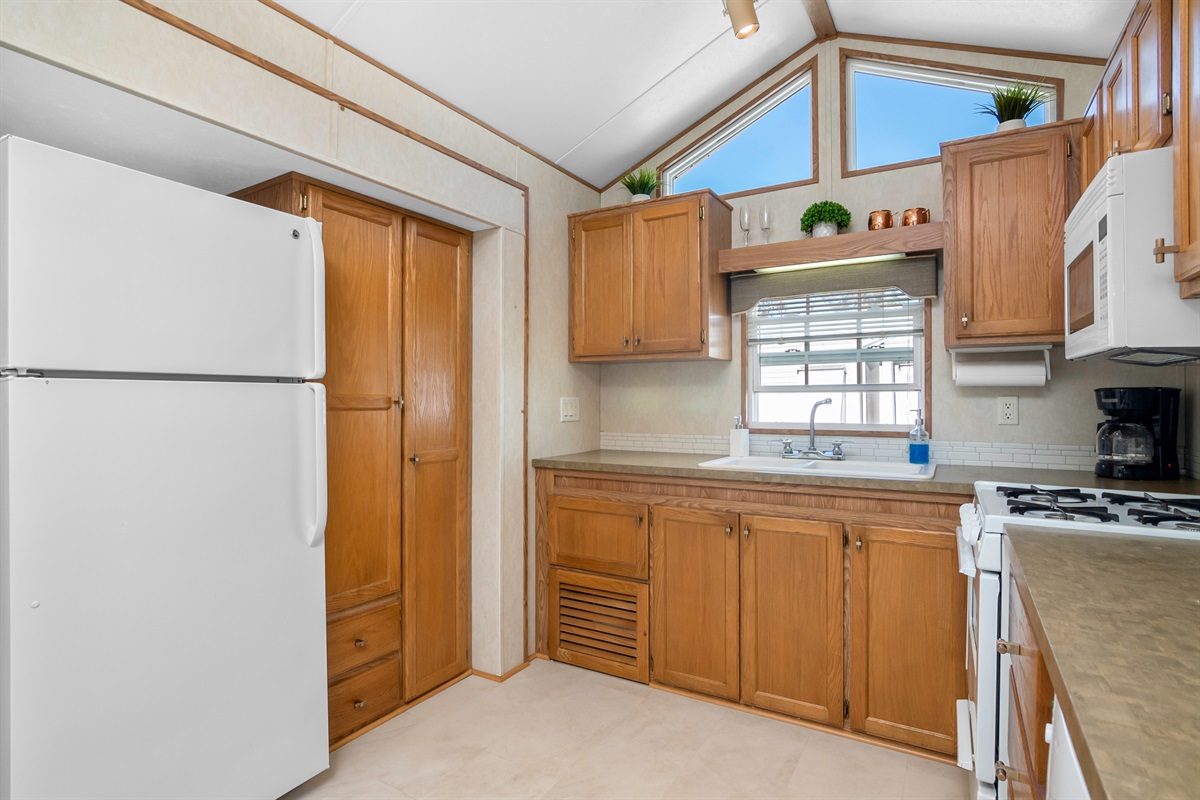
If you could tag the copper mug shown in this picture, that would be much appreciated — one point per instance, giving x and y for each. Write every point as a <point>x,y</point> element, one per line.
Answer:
<point>915,216</point>
<point>878,220</point>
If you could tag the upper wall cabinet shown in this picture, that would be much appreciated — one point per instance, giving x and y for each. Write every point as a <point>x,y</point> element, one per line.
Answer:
<point>1135,102</point>
<point>644,281</point>
<point>1005,203</point>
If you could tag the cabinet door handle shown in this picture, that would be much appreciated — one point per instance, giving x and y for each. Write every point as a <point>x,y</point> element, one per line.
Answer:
<point>624,341</point>
<point>359,703</point>
<point>360,642</point>
<point>728,531</point>
<point>746,532</point>
<point>1162,249</point>
<point>415,459</point>
<point>638,520</point>
<point>964,320</point>
<point>858,543</point>
<point>637,341</point>
<point>1007,648</point>
<point>1001,771</point>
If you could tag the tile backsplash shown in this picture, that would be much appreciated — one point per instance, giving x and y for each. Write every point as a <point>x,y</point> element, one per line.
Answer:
<point>981,454</point>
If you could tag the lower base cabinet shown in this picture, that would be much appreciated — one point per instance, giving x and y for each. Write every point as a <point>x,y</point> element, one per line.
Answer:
<point>849,625</point>
<point>907,635</point>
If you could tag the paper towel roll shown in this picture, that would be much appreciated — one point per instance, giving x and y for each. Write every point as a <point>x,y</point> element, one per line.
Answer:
<point>996,372</point>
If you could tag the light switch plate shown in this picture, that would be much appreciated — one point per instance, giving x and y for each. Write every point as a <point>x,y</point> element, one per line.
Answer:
<point>568,409</point>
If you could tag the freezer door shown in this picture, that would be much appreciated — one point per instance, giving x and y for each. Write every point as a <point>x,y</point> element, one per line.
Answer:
<point>164,608</point>
<point>104,269</point>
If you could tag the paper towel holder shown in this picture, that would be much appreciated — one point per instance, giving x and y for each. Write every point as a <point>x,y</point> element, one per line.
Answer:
<point>1044,349</point>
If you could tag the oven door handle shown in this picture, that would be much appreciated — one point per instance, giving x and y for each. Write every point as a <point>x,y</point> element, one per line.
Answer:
<point>966,555</point>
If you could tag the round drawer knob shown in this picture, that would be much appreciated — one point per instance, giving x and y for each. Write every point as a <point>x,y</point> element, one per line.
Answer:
<point>359,703</point>
<point>360,642</point>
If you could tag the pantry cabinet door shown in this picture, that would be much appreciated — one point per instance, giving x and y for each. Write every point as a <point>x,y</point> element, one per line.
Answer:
<point>694,600</point>
<point>792,632</point>
<point>907,638</point>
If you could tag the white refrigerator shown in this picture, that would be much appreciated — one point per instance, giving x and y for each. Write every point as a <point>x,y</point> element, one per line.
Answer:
<point>162,487</point>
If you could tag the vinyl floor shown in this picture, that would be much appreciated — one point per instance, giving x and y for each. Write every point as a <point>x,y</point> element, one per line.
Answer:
<point>556,731</point>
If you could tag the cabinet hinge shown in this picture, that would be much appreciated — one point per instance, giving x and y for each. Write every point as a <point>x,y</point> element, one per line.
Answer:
<point>1069,153</point>
<point>845,541</point>
<point>1166,104</point>
<point>572,234</point>
<point>304,201</point>
<point>701,212</point>
<point>703,336</point>
<point>845,709</point>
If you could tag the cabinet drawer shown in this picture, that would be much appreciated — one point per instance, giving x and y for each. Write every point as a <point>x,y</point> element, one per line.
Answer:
<point>600,536</point>
<point>363,697</point>
<point>362,638</point>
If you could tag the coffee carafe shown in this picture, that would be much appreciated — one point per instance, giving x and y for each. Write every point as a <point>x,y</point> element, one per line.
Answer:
<point>1137,442</point>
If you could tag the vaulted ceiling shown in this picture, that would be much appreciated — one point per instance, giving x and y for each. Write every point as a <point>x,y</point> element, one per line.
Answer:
<point>595,85</point>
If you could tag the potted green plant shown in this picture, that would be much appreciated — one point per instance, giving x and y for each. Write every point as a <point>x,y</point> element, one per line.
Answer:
<point>1012,103</point>
<point>824,219</point>
<point>641,184</point>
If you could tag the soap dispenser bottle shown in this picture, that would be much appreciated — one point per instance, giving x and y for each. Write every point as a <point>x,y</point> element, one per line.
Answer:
<point>918,444</point>
<point>739,439</point>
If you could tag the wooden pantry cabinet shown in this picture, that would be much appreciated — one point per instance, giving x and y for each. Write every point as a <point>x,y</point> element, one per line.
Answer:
<point>1186,93</point>
<point>397,291</point>
<point>748,589</point>
<point>644,284</point>
<point>1006,197</point>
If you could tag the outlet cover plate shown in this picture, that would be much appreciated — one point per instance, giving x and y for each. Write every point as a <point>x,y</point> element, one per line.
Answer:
<point>568,409</point>
<point>1006,411</point>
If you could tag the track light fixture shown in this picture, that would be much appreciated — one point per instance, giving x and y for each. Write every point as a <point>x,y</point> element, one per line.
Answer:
<point>741,13</point>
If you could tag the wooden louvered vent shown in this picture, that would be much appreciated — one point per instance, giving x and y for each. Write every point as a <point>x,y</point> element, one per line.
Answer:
<point>599,623</point>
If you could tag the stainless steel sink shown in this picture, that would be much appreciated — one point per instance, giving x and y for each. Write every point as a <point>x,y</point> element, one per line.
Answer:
<point>835,469</point>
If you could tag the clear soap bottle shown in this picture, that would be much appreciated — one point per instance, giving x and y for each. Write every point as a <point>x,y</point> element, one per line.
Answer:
<point>918,444</point>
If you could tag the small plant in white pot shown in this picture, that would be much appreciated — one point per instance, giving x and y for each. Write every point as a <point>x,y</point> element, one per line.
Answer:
<point>641,184</point>
<point>1013,103</point>
<point>824,219</point>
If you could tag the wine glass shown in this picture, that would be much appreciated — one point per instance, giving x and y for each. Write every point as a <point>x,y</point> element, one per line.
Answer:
<point>744,219</point>
<point>765,223</point>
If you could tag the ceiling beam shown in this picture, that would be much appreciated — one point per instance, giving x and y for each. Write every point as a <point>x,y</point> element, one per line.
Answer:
<point>822,20</point>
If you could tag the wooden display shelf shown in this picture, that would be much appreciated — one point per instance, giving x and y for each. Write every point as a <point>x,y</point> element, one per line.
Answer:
<point>906,239</point>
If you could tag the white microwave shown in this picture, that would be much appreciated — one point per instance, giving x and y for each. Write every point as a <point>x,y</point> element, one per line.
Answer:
<point>1120,304</point>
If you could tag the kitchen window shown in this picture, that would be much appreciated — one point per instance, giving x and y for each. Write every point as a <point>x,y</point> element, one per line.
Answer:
<point>865,349</point>
<point>771,143</point>
<point>898,114</point>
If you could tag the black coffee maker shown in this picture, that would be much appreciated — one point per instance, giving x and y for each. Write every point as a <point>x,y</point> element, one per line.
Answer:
<point>1137,442</point>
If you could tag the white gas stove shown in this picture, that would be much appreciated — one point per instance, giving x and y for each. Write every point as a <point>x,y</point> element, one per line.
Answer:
<point>983,715</point>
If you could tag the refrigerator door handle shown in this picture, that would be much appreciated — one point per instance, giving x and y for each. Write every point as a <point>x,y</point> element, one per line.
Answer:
<point>318,267</point>
<point>320,468</point>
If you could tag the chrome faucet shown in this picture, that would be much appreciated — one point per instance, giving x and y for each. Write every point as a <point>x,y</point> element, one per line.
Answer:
<point>835,454</point>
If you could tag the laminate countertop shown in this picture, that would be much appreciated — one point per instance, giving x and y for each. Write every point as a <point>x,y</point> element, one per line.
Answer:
<point>1118,621</point>
<point>946,479</point>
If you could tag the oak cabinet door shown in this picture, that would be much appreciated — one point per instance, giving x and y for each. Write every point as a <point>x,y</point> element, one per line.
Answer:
<point>600,536</point>
<point>599,623</point>
<point>436,475</point>
<point>666,278</point>
<point>1031,693</point>
<point>1006,204</point>
<point>792,635</point>
<point>362,310</point>
<point>1150,57</point>
<point>1117,87</point>
<point>601,286</point>
<point>694,600</point>
<point>1186,95</point>
<point>1093,150</point>
<point>907,637</point>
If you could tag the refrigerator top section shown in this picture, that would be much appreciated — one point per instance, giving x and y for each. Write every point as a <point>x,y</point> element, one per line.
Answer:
<point>107,270</point>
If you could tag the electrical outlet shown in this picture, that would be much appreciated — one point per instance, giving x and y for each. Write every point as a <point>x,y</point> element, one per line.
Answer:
<point>1006,411</point>
<point>568,409</point>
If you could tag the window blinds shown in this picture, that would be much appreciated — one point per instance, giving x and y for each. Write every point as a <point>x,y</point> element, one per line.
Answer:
<point>870,313</point>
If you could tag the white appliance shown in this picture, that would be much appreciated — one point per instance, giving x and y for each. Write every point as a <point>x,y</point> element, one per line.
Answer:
<point>982,557</point>
<point>1120,304</point>
<point>162,487</point>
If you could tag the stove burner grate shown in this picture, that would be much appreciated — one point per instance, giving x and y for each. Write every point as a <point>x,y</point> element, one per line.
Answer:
<point>1052,510</point>
<point>1156,516</point>
<point>1038,494</point>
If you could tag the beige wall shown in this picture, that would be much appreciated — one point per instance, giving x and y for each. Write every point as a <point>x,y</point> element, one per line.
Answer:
<point>702,398</point>
<point>121,46</point>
